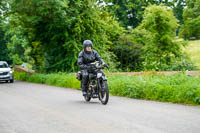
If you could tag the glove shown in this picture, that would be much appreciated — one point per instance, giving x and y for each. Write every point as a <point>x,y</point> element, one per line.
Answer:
<point>101,62</point>
<point>105,65</point>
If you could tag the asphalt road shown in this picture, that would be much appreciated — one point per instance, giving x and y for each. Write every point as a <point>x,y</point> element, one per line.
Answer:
<point>36,108</point>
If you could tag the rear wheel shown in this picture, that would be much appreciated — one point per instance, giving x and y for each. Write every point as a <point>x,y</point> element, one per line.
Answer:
<point>104,93</point>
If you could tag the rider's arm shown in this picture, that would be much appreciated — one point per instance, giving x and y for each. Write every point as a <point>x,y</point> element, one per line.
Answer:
<point>98,58</point>
<point>80,61</point>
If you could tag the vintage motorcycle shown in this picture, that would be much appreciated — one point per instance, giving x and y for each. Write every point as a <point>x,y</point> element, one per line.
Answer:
<point>97,83</point>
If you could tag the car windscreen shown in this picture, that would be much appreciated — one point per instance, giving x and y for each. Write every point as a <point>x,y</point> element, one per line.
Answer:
<point>3,65</point>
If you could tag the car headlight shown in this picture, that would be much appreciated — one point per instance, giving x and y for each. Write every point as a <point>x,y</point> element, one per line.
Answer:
<point>11,71</point>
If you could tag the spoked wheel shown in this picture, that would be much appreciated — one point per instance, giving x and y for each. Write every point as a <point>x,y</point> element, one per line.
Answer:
<point>104,93</point>
<point>87,98</point>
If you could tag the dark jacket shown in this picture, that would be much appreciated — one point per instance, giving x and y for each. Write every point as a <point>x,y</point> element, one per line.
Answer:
<point>84,58</point>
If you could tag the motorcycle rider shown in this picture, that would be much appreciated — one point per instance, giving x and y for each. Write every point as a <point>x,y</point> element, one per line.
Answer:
<point>85,57</point>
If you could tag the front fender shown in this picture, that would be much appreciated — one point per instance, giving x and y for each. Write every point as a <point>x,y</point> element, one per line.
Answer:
<point>104,78</point>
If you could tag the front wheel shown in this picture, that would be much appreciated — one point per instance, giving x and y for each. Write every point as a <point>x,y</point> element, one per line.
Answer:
<point>87,97</point>
<point>104,93</point>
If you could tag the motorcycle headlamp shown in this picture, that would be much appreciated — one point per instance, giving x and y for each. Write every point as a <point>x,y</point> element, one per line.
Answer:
<point>99,75</point>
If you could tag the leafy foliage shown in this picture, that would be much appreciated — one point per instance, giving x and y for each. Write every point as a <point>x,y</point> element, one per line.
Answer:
<point>17,45</point>
<point>55,30</point>
<point>4,52</point>
<point>152,45</point>
<point>130,12</point>
<point>160,22</point>
<point>3,49</point>
<point>129,49</point>
<point>49,33</point>
<point>178,8</point>
<point>128,53</point>
<point>191,16</point>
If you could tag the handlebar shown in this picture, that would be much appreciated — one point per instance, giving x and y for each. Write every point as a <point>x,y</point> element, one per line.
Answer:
<point>97,65</point>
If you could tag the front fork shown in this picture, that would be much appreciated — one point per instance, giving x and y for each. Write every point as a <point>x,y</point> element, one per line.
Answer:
<point>100,80</point>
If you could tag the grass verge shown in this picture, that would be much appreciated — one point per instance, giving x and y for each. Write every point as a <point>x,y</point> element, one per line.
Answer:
<point>59,79</point>
<point>178,88</point>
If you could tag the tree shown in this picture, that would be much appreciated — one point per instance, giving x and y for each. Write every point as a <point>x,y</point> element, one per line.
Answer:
<point>54,30</point>
<point>160,22</point>
<point>178,8</point>
<point>17,45</point>
<point>4,52</point>
<point>130,12</point>
<point>3,47</point>
<point>191,16</point>
<point>129,49</point>
<point>126,45</point>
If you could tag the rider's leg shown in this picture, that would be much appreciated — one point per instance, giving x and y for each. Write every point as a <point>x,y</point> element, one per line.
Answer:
<point>84,82</point>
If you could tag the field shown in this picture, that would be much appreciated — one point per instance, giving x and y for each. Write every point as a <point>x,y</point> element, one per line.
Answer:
<point>193,50</point>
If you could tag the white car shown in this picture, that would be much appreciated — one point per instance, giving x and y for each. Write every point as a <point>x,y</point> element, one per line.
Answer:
<point>6,74</point>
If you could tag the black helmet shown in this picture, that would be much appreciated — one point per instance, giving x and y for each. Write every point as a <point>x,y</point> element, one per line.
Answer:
<point>87,43</point>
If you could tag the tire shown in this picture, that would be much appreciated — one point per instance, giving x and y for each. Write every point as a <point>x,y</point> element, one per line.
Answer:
<point>104,93</point>
<point>87,98</point>
<point>12,81</point>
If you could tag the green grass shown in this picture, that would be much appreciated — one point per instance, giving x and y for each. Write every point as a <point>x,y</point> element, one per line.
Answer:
<point>60,79</point>
<point>177,88</point>
<point>193,50</point>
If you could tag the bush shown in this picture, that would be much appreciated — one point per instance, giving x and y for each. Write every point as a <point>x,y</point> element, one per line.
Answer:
<point>160,22</point>
<point>126,45</point>
<point>152,45</point>
<point>132,44</point>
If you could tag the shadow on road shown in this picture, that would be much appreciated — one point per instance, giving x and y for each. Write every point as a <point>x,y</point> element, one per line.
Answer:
<point>84,102</point>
